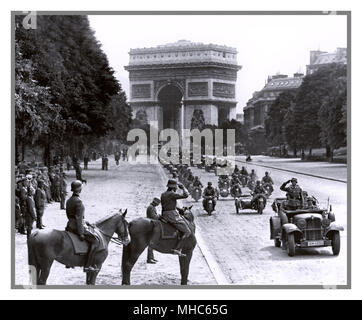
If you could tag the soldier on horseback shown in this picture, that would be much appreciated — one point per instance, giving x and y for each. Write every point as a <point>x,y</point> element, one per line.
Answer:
<point>77,224</point>
<point>170,214</point>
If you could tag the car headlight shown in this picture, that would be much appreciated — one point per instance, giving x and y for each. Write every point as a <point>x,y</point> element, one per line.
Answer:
<point>301,224</point>
<point>326,223</point>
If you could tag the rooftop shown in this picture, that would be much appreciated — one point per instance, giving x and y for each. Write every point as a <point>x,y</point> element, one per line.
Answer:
<point>183,51</point>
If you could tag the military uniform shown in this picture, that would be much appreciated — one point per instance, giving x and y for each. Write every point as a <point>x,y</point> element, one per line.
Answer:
<point>267,180</point>
<point>151,213</point>
<point>40,199</point>
<point>209,192</point>
<point>30,215</point>
<point>63,192</point>
<point>294,197</point>
<point>76,224</point>
<point>170,214</point>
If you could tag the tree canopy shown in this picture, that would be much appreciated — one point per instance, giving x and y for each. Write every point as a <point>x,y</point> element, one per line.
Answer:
<point>64,84</point>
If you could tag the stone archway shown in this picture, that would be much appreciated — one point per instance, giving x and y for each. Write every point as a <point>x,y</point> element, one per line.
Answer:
<point>170,101</point>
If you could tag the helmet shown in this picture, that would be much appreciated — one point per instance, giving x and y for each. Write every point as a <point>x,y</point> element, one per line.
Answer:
<point>209,183</point>
<point>266,173</point>
<point>294,179</point>
<point>75,185</point>
<point>172,183</point>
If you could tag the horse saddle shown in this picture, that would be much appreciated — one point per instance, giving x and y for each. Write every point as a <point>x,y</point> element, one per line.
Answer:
<point>168,231</point>
<point>82,247</point>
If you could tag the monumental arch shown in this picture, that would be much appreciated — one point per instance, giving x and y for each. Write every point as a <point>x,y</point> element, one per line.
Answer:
<point>175,82</point>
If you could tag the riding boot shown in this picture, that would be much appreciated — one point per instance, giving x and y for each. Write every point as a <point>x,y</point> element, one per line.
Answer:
<point>89,263</point>
<point>178,249</point>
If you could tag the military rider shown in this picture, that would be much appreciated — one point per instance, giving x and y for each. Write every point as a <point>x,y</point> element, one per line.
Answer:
<point>77,224</point>
<point>209,191</point>
<point>253,175</point>
<point>170,214</point>
<point>259,189</point>
<point>197,183</point>
<point>267,180</point>
<point>244,172</point>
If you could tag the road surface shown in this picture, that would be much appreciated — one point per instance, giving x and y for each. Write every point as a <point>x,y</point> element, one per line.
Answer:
<point>241,243</point>
<point>237,246</point>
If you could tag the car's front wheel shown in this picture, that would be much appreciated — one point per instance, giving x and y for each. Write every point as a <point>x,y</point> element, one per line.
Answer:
<point>336,243</point>
<point>291,245</point>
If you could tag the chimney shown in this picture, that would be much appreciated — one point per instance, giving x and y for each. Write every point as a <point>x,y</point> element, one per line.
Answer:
<point>298,75</point>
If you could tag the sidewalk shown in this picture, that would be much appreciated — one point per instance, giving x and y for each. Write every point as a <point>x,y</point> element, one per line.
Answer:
<point>327,170</point>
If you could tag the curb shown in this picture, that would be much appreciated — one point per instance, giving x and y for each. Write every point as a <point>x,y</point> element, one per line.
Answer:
<point>292,171</point>
<point>217,273</point>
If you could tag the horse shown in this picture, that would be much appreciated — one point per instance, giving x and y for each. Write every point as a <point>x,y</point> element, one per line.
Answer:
<point>45,246</point>
<point>146,232</point>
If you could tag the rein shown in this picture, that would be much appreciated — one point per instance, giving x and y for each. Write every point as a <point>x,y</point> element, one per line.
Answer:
<point>112,239</point>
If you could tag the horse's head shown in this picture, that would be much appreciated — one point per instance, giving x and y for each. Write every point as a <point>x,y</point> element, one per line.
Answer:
<point>187,213</point>
<point>122,228</point>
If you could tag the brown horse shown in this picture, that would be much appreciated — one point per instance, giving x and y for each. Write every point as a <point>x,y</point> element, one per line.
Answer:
<point>45,246</point>
<point>147,232</point>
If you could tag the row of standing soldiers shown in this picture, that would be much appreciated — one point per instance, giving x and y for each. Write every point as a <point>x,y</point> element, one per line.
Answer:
<point>36,187</point>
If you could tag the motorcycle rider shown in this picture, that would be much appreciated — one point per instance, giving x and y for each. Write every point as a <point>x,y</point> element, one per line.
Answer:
<point>259,189</point>
<point>253,175</point>
<point>209,191</point>
<point>197,183</point>
<point>170,214</point>
<point>267,180</point>
<point>243,171</point>
<point>222,179</point>
<point>236,170</point>
<point>234,180</point>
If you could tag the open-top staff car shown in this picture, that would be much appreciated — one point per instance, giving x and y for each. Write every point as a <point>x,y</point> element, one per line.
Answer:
<point>304,228</point>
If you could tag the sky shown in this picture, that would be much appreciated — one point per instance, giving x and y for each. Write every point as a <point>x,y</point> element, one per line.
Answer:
<point>266,44</point>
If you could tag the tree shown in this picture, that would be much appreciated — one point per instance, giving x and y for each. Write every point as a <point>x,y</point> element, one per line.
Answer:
<point>312,94</point>
<point>72,76</point>
<point>275,123</point>
<point>333,110</point>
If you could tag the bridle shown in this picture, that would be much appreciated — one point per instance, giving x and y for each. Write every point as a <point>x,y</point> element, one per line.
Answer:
<point>115,240</point>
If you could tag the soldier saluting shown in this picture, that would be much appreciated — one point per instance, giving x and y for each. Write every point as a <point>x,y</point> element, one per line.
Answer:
<point>170,214</point>
<point>294,194</point>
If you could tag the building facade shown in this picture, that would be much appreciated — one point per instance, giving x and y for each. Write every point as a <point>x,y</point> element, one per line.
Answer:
<point>321,58</point>
<point>174,83</point>
<point>258,106</point>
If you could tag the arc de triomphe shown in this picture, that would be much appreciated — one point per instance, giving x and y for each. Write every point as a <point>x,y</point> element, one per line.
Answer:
<point>175,82</point>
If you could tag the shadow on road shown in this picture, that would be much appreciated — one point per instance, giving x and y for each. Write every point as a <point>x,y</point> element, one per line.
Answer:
<point>277,254</point>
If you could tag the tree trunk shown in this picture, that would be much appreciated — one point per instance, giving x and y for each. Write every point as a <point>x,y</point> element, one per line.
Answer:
<point>295,151</point>
<point>310,151</point>
<point>47,152</point>
<point>328,151</point>
<point>23,151</point>
<point>16,152</point>
<point>331,155</point>
<point>303,155</point>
